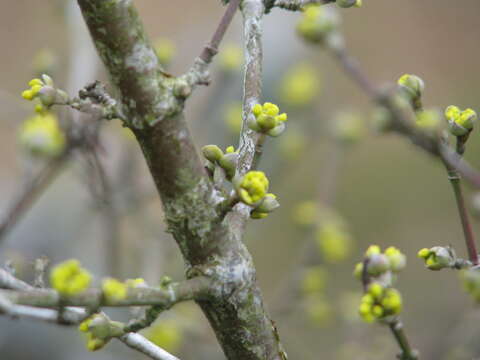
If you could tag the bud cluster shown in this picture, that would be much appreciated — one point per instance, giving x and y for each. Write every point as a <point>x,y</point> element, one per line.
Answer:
<point>45,91</point>
<point>460,122</point>
<point>100,330</point>
<point>267,120</point>
<point>252,189</point>
<point>438,257</point>
<point>391,260</point>
<point>379,303</point>
<point>69,278</point>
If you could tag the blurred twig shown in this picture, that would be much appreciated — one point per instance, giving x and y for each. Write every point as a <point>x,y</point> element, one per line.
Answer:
<point>31,191</point>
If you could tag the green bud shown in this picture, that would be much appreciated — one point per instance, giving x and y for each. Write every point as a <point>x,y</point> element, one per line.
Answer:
<point>266,122</point>
<point>182,89</point>
<point>228,162</point>
<point>47,96</point>
<point>212,153</point>
<point>412,85</point>
<point>268,204</point>
<point>378,264</point>
<point>277,130</point>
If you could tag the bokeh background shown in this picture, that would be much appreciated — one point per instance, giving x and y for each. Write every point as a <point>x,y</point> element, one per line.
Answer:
<point>373,189</point>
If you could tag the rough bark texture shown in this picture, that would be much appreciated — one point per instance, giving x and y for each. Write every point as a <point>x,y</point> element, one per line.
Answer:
<point>211,244</point>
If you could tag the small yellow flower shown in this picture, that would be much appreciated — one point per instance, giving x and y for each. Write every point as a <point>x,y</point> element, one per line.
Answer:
<point>267,119</point>
<point>460,122</point>
<point>253,187</point>
<point>373,249</point>
<point>41,135</point>
<point>69,278</point>
<point>114,289</point>
<point>317,23</point>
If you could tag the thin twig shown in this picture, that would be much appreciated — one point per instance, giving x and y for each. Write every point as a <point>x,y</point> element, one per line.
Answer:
<point>454,178</point>
<point>252,11</point>
<point>145,346</point>
<point>403,122</point>
<point>408,353</point>
<point>211,49</point>
<point>31,192</point>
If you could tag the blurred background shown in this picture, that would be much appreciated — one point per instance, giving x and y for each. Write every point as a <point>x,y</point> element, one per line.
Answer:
<point>341,185</point>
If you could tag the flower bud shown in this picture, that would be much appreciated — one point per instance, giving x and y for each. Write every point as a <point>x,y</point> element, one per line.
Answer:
<point>269,204</point>
<point>378,264</point>
<point>277,130</point>
<point>317,23</point>
<point>228,162</point>
<point>182,89</point>
<point>438,257</point>
<point>460,122</point>
<point>252,187</point>
<point>212,153</point>
<point>396,259</point>
<point>47,96</point>
<point>412,85</point>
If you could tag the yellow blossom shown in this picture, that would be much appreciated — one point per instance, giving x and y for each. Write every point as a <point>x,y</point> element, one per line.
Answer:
<point>41,135</point>
<point>69,278</point>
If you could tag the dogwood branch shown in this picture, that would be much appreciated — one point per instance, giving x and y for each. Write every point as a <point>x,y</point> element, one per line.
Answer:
<point>251,142</point>
<point>192,289</point>
<point>298,5</point>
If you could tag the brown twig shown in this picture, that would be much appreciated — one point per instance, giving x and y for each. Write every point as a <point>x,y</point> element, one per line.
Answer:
<point>211,49</point>
<point>32,191</point>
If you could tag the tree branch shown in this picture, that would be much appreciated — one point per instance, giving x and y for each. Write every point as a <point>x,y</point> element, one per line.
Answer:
<point>403,122</point>
<point>69,316</point>
<point>211,243</point>
<point>252,11</point>
<point>192,289</point>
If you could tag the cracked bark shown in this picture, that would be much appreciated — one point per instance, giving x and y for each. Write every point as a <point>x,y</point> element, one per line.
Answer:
<point>211,244</point>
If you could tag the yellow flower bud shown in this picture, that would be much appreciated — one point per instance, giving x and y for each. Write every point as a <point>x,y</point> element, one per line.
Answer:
<point>114,289</point>
<point>252,187</point>
<point>412,85</point>
<point>69,278</point>
<point>373,249</point>
<point>41,135</point>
